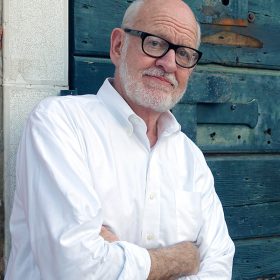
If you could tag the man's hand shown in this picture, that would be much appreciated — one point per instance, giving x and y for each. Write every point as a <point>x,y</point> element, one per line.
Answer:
<point>108,235</point>
<point>175,261</point>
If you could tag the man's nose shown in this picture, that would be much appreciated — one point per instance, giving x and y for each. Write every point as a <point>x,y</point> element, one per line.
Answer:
<point>168,62</point>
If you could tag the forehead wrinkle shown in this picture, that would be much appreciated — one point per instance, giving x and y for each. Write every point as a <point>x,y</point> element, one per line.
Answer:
<point>173,30</point>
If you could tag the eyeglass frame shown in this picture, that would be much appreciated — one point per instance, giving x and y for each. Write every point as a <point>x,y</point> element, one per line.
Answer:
<point>143,35</point>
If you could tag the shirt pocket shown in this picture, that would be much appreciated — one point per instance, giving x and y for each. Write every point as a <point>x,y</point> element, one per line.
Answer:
<point>188,215</point>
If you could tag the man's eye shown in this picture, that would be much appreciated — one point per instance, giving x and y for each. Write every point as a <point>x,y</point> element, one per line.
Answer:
<point>154,43</point>
<point>183,53</point>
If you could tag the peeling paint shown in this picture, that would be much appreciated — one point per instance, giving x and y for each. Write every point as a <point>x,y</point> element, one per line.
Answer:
<point>231,22</point>
<point>228,38</point>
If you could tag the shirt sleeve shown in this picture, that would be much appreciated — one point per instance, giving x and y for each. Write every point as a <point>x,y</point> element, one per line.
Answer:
<point>62,210</point>
<point>215,245</point>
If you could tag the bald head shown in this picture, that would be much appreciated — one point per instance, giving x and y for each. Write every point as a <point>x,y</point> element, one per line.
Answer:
<point>176,12</point>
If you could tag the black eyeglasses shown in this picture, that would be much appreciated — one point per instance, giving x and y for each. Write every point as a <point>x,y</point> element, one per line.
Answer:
<point>157,47</point>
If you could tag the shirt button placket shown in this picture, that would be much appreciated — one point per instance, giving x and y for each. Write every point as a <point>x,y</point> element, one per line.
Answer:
<point>151,217</point>
<point>151,221</point>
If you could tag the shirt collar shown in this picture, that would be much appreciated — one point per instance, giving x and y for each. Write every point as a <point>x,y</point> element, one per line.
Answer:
<point>167,124</point>
<point>116,104</point>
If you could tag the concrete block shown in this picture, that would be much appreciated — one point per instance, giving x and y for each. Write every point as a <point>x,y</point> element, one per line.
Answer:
<point>36,42</point>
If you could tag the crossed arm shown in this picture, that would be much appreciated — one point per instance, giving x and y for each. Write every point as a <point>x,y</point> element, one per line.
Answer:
<point>172,262</point>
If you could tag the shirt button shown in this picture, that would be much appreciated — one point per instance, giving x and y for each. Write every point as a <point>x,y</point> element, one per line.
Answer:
<point>129,131</point>
<point>152,196</point>
<point>150,237</point>
<point>135,120</point>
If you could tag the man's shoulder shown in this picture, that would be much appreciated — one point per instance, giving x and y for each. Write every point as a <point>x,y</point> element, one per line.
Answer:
<point>66,109</point>
<point>53,102</point>
<point>66,104</point>
<point>188,143</point>
<point>188,148</point>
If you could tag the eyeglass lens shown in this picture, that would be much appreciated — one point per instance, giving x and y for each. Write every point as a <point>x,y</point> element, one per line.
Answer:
<point>156,47</point>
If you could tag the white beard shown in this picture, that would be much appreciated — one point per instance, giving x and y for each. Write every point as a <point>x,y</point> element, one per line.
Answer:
<point>155,97</point>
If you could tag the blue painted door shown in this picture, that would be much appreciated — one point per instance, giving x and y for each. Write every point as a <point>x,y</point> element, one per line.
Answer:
<point>231,110</point>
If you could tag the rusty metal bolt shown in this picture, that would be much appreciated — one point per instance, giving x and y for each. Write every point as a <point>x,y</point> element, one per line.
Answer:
<point>251,17</point>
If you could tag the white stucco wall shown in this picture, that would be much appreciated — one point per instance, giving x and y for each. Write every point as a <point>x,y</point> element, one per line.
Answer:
<point>35,61</point>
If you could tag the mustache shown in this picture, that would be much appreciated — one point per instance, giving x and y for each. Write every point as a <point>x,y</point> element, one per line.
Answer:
<point>157,72</point>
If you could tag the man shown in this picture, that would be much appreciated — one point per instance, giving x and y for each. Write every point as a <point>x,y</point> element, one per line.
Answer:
<point>108,187</point>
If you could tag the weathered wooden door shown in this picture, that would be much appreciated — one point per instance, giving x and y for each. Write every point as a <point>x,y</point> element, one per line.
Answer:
<point>231,110</point>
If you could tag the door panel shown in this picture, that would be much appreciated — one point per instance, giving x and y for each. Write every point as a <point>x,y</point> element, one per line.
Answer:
<point>89,73</point>
<point>237,34</point>
<point>251,197</point>
<point>257,259</point>
<point>243,180</point>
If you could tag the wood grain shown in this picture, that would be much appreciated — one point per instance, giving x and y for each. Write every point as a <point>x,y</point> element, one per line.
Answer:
<point>93,22</point>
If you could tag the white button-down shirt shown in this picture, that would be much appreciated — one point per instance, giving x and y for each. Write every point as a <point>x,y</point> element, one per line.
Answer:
<point>85,161</point>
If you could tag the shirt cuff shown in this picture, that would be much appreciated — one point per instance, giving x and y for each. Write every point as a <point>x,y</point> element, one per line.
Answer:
<point>136,258</point>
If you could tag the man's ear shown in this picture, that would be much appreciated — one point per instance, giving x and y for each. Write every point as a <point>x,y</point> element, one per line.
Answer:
<point>117,39</point>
